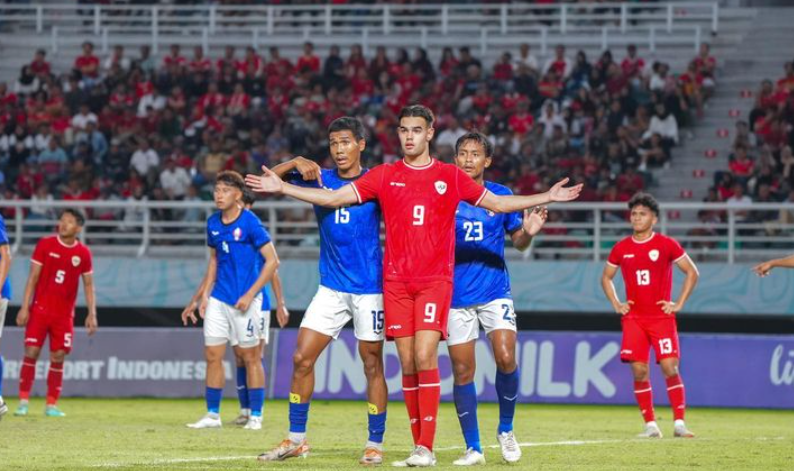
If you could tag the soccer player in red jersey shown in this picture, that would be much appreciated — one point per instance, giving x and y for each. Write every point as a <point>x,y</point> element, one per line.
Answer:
<point>418,196</point>
<point>646,261</point>
<point>57,264</point>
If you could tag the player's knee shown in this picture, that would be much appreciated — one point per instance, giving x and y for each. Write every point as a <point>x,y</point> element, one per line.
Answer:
<point>238,360</point>
<point>212,355</point>
<point>58,356</point>
<point>373,364</point>
<point>302,363</point>
<point>640,372</point>
<point>463,371</point>
<point>505,361</point>
<point>669,369</point>
<point>32,352</point>
<point>426,359</point>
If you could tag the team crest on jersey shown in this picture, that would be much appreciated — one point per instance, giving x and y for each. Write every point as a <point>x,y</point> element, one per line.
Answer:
<point>75,261</point>
<point>490,213</point>
<point>238,234</point>
<point>654,255</point>
<point>441,187</point>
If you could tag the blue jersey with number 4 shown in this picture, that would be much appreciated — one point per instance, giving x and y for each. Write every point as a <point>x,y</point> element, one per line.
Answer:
<point>5,290</point>
<point>237,246</point>
<point>351,260</point>
<point>480,269</point>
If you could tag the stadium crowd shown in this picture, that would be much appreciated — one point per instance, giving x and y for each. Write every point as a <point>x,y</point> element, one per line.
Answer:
<point>132,126</point>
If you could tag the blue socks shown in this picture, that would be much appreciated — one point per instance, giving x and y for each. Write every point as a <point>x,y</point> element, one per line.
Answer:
<point>507,391</point>
<point>256,400</point>
<point>1,375</point>
<point>213,397</point>
<point>298,416</point>
<point>466,404</point>
<point>242,388</point>
<point>377,426</point>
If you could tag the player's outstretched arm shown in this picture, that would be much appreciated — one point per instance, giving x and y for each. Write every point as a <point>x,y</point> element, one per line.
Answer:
<point>532,224</point>
<point>91,321</point>
<point>689,268</point>
<point>609,290</point>
<point>265,276</point>
<point>514,203</point>
<point>308,169</point>
<point>30,286</point>
<point>763,269</point>
<point>282,313</point>
<point>271,183</point>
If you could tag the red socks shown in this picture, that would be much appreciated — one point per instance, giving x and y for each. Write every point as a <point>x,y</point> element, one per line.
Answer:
<point>429,398</point>
<point>644,395</point>
<point>54,383</point>
<point>675,392</point>
<point>26,376</point>
<point>411,397</point>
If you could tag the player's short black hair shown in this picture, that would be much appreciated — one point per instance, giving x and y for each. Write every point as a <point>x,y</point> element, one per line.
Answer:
<point>76,214</point>
<point>249,198</point>
<point>479,138</point>
<point>347,123</point>
<point>417,111</point>
<point>231,178</point>
<point>644,199</point>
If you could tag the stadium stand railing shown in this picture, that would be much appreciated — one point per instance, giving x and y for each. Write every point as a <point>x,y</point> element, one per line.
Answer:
<point>618,24</point>
<point>581,231</point>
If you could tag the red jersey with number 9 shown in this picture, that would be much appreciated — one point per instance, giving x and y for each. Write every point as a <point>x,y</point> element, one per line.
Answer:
<point>419,205</point>
<point>61,268</point>
<point>647,269</point>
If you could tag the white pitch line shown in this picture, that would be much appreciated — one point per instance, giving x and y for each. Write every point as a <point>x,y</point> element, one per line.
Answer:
<point>165,462</point>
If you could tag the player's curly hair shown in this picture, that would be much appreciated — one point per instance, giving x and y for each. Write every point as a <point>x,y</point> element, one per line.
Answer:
<point>644,199</point>
<point>347,123</point>
<point>231,178</point>
<point>417,111</point>
<point>477,137</point>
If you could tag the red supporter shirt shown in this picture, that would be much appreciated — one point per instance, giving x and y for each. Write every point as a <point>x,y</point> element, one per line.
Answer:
<point>87,61</point>
<point>311,63</point>
<point>647,269</point>
<point>419,205</point>
<point>61,269</point>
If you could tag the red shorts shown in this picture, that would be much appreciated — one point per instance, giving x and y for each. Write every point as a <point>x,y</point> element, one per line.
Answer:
<point>59,327</point>
<point>413,306</point>
<point>639,335</point>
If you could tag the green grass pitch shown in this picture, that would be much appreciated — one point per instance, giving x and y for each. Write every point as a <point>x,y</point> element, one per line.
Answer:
<point>126,434</point>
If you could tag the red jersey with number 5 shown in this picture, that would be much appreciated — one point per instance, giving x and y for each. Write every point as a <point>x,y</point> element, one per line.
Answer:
<point>419,205</point>
<point>647,269</point>
<point>61,268</point>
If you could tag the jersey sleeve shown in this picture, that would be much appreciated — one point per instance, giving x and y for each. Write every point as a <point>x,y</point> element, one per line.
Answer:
<point>676,252</point>
<point>3,233</point>
<point>615,256</point>
<point>512,221</point>
<point>39,253</point>
<point>259,235</point>
<point>468,190</point>
<point>294,177</point>
<point>88,267</point>
<point>210,242</point>
<point>369,186</point>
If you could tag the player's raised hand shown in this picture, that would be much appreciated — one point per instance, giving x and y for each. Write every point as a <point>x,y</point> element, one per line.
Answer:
<point>534,219</point>
<point>763,269</point>
<point>244,302</point>
<point>92,324</point>
<point>282,315</point>
<point>309,169</point>
<point>189,313</point>
<point>623,308</point>
<point>22,316</point>
<point>669,307</point>
<point>559,193</point>
<point>268,182</point>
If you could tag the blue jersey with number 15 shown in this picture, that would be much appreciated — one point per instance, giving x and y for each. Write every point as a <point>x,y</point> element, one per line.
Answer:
<point>351,260</point>
<point>480,269</point>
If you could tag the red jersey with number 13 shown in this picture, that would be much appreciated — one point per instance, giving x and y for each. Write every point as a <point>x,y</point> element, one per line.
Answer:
<point>419,205</point>
<point>61,268</point>
<point>647,269</point>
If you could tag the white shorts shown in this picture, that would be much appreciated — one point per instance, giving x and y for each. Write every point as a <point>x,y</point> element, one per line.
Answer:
<point>264,326</point>
<point>223,323</point>
<point>330,310</point>
<point>464,324</point>
<point>3,310</point>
